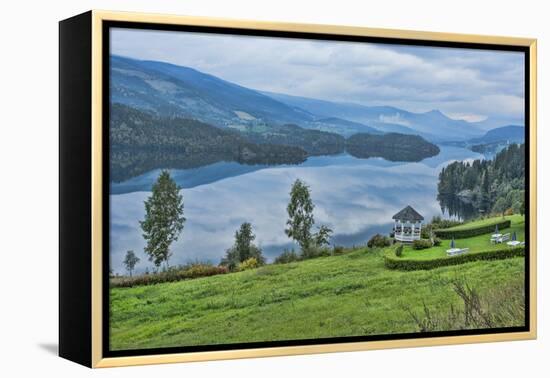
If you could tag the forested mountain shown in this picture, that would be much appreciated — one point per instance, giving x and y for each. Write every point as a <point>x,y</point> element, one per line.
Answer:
<point>140,142</point>
<point>169,90</point>
<point>314,142</point>
<point>343,126</point>
<point>391,146</point>
<point>175,91</point>
<point>490,185</point>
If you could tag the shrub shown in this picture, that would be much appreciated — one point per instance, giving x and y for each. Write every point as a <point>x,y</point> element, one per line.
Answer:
<point>286,257</point>
<point>233,256</point>
<point>422,244</point>
<point>338,250</point>
<point>436,242</point>
<point>439,223</point>
<point>314,251</point>
<point>173,274</point>
<point>426,232</point>
<point>251,263</point>
<point>510,211</point>
<point>391,262</point>
<point>467,232</point>
<point>379,241</point>
<point>202,270</point>
<point>399,250</point>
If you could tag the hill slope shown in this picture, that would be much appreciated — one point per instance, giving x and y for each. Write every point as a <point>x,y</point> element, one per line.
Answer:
<point>171,90</point>
<point>348,295</point>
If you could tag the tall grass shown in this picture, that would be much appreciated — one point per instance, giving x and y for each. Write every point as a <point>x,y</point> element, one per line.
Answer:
<point>498,307</point>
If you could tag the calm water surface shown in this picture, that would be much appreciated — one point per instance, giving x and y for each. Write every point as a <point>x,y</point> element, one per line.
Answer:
<point>354,197</point>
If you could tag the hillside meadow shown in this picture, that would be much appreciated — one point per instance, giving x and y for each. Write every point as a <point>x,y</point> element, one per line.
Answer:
<point>346,295</point>
<point>475,243</point>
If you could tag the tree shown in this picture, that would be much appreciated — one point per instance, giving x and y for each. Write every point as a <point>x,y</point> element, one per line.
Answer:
<point>243,249</point>
<point>300,221</point>
<point>164,219</point>
<point>485,191</point>
<point>300,214</point>
<point>500,206</point>
<point>322,237</point>
<point>130,261</point>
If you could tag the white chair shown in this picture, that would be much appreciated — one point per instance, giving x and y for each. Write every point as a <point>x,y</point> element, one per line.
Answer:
<point>504,238</point>
<point>457,251</point>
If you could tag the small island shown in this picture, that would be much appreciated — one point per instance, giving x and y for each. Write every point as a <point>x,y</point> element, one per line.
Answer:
<point>391,146</point>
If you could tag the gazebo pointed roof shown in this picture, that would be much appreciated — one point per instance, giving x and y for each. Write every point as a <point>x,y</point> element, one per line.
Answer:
<point>408,214</point>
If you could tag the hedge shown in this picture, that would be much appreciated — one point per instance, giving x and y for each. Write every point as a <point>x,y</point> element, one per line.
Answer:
<point>173,275</point>
<point>469,232</point>
<point>391,261</point>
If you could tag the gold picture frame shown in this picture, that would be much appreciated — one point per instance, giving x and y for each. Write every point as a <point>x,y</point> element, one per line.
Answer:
<point>92,25</point>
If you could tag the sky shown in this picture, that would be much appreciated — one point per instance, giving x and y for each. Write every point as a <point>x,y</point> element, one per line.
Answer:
<point>467,84</point>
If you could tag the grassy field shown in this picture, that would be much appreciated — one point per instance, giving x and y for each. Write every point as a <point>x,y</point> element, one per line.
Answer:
<point>475,243</point>
<point>485,222</point>
<point>348,295</point>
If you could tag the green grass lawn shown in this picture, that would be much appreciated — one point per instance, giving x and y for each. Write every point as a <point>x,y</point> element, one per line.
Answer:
<point>475,243</point>
<point>348,295</point>
<point>487,221</point>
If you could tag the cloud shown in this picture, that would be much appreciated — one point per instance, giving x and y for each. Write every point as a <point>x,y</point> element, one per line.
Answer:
<point>394,119</point>
<point>468,117</point>
<point>418,79</point>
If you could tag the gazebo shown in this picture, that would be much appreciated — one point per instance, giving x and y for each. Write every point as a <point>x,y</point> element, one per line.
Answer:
<point>408,225</point>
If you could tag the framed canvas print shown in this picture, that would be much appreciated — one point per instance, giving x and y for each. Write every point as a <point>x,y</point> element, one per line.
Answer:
<point>234,189</point>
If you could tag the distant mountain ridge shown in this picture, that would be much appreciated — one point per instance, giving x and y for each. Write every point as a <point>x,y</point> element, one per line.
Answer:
<point>432,125</point>
<point>510,134</point>
<point>169,90</point>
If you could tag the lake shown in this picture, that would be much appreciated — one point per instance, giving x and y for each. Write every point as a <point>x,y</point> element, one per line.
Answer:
<point>356,198</point>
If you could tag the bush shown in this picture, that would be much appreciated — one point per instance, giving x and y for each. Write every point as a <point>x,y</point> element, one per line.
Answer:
<point>399,250</point>
<point>173,274</point>
<point>391,262</point>
<point>338,250</point>
<point>466,232</point>
<point>439,223</point>
<point>436,242</point>
<point>251,263</point>
<point>233,257</point>
<point>426,232</point>
<point>314,251</point>
<point>201,270</point>
<point>422,244</point>
<point>379,241</point>
<point>286,257</point>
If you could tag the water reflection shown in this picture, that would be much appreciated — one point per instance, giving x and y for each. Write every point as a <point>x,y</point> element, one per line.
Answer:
<point>355,197</point>
<point>455,208</point>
